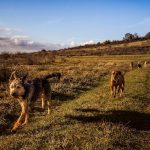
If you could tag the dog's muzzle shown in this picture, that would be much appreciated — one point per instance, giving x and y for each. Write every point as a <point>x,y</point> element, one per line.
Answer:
<point>14,94</point>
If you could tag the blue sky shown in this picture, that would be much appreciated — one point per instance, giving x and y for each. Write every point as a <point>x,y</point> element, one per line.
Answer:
<point>73,21</point>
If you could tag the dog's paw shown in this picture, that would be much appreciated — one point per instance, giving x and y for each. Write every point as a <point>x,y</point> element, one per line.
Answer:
<point>13,130</point>
<point>26,124</point>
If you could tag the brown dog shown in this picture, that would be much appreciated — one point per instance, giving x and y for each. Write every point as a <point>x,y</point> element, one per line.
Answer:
<point>131,65</point>
<point>27,92</point>
<point>117,83</point>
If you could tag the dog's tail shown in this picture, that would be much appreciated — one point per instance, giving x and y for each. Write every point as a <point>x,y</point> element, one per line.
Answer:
<point>55,74</point>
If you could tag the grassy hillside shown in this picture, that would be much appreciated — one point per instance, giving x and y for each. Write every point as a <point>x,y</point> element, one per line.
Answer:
<point>88,118</point>
<point>48,57</point>
<point>111,48</point>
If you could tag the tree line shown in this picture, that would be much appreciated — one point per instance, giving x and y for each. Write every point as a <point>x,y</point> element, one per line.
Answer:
<point>128,37</point>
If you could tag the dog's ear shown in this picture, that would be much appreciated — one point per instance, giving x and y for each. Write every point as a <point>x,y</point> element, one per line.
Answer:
<point>13,76</point>
<point>24,77</point>
<point>112,72</point>
<point>119,72</point>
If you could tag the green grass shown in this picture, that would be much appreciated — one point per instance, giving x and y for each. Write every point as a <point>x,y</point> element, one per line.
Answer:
<point>93,121</point>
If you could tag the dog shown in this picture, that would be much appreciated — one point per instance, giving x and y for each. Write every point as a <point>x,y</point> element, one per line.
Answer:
<point>27,92</point>
<point>139,65</point>
<point>131,65</point>
<point>117,83</point>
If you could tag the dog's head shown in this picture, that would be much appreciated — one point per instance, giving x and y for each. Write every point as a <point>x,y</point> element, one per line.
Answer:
<point>16,85</point>
<point>131,63</point>
<point>115,75</point>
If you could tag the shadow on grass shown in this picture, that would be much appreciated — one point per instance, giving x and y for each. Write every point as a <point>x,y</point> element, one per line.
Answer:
<point>88,110</point>
<point>37,109</point>
<point>62,96</point>
<point>133,119</point>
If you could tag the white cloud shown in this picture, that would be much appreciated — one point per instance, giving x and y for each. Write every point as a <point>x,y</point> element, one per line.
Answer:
<point>24,44</point>
<point>11,42</point>
<point>88,42</point>
<point>20,40</point>
<point>5,29</point>
<point>74,44</point>
<point>8,31</point>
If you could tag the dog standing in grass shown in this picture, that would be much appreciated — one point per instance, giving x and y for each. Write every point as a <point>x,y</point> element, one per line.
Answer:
<point>139,65</point>
<point>27,92</point>
<point>117,83</point>
<point>131,65</point>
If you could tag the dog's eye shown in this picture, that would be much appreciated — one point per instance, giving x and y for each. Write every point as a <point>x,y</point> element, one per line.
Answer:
<point>18,87</point>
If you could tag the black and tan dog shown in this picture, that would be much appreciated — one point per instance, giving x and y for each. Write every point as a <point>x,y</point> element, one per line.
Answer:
<point>27,92</point>
<point>139,65</point>
<point>117,83</point>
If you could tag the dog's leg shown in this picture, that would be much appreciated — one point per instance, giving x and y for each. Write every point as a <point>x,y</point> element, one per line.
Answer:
<point>26,110</point>
<point>49,106</point>
<point>43,103</point>
<point>122,90</point>
<point>115,91</point>
<point>119,90</point>
<point>26,118</point>
<point>47,96</point>
<point>23,105</point>
<point>31,107</point>
<point>112,90</point>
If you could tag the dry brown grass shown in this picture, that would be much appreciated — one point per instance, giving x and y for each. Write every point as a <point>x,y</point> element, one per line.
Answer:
<point>84,116</point>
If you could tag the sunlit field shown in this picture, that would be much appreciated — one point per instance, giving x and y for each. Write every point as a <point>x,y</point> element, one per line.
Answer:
<point>84,115</point>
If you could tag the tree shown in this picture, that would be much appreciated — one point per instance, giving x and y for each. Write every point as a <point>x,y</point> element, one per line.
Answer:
<point>98,43</point>
<point>136,36</point>
<point>147,35</point>
<point>107,42</point>
<point>128,37</point>
<point>43,50</point>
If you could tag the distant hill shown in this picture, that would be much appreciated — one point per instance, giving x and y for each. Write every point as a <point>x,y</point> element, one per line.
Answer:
<point>127,46</point>
<point>138,46</point>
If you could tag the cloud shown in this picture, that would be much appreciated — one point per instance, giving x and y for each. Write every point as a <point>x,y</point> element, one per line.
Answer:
<point>22,43</point>
<point>11,42</point>
<point>8,31</point>
<point>20,40</point>
<point>88,42</point>
<point>73,44</point>
<point>5,29</point>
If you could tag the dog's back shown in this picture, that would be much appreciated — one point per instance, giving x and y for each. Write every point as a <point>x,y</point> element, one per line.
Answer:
<point>42,86</point>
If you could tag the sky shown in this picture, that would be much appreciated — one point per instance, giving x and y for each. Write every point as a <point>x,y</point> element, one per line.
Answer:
<point>54,24</point>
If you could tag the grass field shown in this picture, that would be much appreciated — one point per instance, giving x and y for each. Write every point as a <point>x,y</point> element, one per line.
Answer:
<point>84,115</point>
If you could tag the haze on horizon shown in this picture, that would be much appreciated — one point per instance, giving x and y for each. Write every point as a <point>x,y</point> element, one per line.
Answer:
<point>29,25</point>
